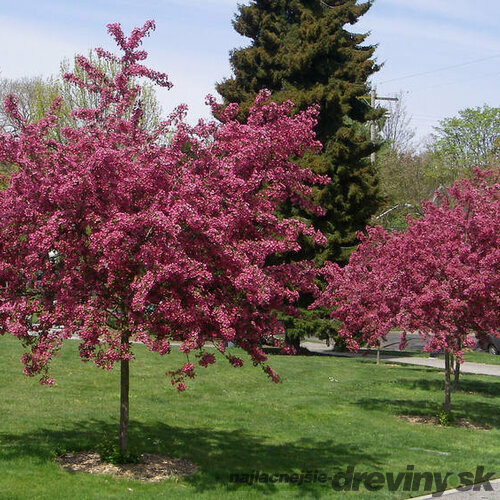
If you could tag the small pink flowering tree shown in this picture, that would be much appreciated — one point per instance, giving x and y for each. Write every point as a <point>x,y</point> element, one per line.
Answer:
<point>441,277</point>
<point>116,235</point>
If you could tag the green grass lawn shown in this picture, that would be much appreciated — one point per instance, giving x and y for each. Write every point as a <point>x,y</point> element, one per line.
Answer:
<point>482,357</point>
<point>329,413</point>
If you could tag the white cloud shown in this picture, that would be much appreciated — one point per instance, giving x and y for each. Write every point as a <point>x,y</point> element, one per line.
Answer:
<point>486,13</point>
<point>28,50</point>
<point>34,49</point>
<point>414,28</point>
<point>205,2</point>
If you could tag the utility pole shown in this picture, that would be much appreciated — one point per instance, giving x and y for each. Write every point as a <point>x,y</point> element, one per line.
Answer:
<point>373,132</point>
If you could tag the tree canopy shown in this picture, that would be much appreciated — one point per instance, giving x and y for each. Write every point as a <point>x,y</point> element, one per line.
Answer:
<point>114,235</point>
<point>409,174</point>
<point>440,277</point>
<point>470,139</point>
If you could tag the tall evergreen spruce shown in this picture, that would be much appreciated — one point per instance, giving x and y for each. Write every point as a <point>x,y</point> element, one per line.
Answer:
<point>301,51</point>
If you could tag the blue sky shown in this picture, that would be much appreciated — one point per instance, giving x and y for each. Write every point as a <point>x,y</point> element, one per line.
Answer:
<point>443,54</point>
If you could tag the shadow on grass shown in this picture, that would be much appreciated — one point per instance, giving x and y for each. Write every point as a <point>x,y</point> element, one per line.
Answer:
<point>278,351</point>
<point>218,453</point>
<point>479,412</point>
<point>490,388</point>
<point>402,354</point>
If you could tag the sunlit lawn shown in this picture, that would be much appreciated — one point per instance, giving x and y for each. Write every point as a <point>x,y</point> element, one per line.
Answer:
<point>327,414</point>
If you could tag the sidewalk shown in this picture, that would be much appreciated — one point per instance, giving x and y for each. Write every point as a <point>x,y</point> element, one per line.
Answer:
<point>475,368</point>
<point>479,494</point>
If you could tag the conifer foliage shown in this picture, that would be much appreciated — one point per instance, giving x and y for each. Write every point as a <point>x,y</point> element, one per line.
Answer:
<point>305,50</point>
<point>301,50</point>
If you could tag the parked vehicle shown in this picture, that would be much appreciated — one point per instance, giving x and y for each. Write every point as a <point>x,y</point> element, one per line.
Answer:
<point>490,344</point>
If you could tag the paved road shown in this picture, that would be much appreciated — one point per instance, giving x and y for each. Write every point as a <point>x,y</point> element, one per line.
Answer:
<point>414,342</point>
<point>467,367</point>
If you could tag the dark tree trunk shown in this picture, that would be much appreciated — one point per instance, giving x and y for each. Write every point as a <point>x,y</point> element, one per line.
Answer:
<point>456,377</point>
<point>124,403</point>
<point>292,341</point>
<point>447,384</point>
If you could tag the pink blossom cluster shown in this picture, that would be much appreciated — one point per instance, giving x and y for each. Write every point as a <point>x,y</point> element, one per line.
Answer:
<point>441,277</point>
<point>118,234</point>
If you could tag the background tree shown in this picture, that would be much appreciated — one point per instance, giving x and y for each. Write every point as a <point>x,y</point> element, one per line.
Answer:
<point>396,130</point>
<point>35,95</point>
<point>468,140</point>
<point>302,50</point>
<point>409,172</point>
<point>401,169</point>
<point>440,277</point>
<point>404,183</point>
<point>117,236</point>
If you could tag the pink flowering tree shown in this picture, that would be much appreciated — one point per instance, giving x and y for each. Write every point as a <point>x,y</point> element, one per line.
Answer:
<point>116,234</point>
<point>441,277</point>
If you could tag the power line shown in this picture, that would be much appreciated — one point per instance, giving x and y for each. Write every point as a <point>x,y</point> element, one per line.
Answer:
<point>444,68</point>
<point>459,82</point>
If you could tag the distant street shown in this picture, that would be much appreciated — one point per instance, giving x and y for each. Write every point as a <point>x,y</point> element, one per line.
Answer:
<point>414,342</point>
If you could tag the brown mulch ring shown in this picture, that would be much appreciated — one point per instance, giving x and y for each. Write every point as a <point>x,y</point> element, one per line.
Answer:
<point>151,468</point>
<point>460,422</point>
